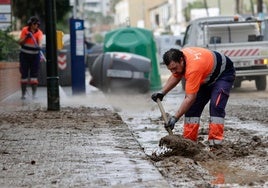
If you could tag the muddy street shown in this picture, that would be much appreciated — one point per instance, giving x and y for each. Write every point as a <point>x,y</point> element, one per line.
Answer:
<point>242,162</point>
<point>101,140</point>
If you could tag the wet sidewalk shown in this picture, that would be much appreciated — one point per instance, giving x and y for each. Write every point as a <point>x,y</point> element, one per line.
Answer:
<point>76,147</point>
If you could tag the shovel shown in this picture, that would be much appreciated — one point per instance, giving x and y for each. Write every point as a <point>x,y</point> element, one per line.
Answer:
<point>164,115</point>
<point>162,149</point>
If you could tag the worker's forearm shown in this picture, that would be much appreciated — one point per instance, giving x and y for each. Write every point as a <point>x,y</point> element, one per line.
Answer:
<point>185,105</point>
<point>22,41</point>
<point>171,83</point>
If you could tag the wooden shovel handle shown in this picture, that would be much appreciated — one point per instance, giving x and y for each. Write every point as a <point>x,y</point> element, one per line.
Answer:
<point>164,115</point>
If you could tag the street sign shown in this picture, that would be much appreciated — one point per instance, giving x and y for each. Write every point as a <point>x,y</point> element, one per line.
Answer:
<point>5,14</point>
<point>6,18</point>
<point>5,8</point>
<point>77,56</point>
<point>4,26</point>
<point>5,2</point>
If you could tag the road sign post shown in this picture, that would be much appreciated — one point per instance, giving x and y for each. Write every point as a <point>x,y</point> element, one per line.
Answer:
<point>77,55</point>
<point>5,14</point>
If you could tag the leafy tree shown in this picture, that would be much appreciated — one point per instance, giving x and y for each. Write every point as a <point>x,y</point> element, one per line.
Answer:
<point>98,38</point>
<point>8,47</point>
<point>97,18</point>
<point>113,4</point>
<point>190,6</point>
<point>23,10</point>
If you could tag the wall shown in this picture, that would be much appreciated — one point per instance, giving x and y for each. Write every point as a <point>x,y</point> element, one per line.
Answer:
<point>9,79</point>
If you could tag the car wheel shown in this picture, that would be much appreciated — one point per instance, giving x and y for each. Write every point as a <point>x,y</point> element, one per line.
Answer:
<point>260,82</point>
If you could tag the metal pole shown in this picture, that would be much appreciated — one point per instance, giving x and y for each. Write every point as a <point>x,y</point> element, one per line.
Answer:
<point>206,7</point>
<point>51,52</point>
<point>259,6</point>
<point>252,7</point>
<point>75,9</point>
<point>219,5</point>
<point>237,6</point>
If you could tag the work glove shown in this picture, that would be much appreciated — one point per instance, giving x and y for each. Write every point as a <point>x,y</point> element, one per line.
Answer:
<point>171,123</point>
<point>28,35</point>
<point>156,96</point>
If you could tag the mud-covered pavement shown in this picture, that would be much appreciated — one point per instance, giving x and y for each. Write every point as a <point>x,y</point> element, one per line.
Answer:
<point>110,140</point>
<point>76,147</point>
<point>242,162</point>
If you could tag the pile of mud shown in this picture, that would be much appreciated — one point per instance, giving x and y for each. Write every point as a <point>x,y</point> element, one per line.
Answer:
<point>67,117</point>
<point>176,145</point>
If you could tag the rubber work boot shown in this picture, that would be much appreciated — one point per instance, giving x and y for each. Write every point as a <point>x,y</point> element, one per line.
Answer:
<point>23,91</point>
<point>34,88</point>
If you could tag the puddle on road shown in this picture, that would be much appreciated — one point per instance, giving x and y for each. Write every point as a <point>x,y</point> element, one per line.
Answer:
<point>224,173</point>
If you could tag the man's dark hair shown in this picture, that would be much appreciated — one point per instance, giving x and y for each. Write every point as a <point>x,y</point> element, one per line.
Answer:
<point>172,55</point>
<point>33,20</point>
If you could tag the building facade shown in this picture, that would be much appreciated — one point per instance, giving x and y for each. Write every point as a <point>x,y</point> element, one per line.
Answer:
<point>167,16</point>
<point>102,6</point>
<point>158,15</point>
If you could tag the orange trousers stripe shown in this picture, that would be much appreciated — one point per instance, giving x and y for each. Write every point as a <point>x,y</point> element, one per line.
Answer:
<point>191,131</point>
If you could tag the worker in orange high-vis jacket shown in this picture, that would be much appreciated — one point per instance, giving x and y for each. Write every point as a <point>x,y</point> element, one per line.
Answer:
<point>209,76</point>
<point>30,41</point>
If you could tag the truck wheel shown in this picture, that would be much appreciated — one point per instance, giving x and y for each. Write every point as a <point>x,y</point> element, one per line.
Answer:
<point>260,83</point>
<point>237,83</point>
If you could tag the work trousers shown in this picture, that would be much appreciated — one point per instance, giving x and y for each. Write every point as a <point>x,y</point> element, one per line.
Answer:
<point>29,68</point>
<point>217,93</point>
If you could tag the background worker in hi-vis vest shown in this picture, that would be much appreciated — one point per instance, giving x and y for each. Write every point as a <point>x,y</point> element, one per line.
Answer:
<point>30,41</point>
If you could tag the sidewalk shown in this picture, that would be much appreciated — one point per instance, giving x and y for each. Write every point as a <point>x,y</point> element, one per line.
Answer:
<point>75,147</point>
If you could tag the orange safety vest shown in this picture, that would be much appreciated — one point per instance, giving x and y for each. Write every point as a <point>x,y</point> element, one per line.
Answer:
<point>29,46</point>
<point>200,66</point>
